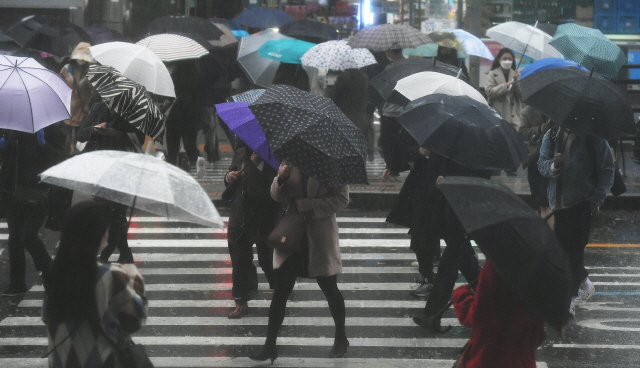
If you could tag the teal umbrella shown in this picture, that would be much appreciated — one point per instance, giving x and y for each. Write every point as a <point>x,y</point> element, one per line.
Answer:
<point>589,48</point>
<point>428,50</point>
<point>285,50</point>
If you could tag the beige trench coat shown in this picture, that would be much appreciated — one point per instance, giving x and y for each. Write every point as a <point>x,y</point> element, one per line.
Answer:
<point>322,230</point>
<point>506,102</point>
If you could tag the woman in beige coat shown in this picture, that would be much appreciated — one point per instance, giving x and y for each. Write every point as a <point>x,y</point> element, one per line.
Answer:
<point>322,261</point>
<point>503,87</point>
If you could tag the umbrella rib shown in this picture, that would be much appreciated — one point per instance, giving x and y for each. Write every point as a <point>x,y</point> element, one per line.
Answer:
<point>33,126</point>
<point>47,84</point>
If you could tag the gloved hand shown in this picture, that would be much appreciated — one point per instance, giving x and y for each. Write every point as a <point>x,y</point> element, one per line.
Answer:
<point>40,136</point>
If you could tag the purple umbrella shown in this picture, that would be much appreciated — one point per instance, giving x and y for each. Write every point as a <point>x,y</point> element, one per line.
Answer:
<point>31,96</point>
<point>241,121</point>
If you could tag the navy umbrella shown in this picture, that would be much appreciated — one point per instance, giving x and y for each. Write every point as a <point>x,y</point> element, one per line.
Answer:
<point>48,34</point>
<point>262,17</point>
<point>310,31</point>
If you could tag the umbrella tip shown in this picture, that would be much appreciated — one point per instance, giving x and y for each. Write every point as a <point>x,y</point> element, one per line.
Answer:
<point>459,72</point>
<point>590,74</point>
<point>536,25</point>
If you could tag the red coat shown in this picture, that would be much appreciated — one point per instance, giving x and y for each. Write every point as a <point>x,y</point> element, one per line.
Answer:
<point>506,333</point>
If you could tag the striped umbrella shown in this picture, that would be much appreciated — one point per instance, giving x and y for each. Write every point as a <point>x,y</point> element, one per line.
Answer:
<point>128,99</point>
<point>389,36</point>
<point>172,47</point>
<point>589,48</point>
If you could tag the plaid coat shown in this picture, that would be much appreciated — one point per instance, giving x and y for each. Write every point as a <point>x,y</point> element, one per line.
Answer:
<point>122,307</point>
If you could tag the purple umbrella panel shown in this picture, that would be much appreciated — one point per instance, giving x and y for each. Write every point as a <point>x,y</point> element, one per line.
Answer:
<point>243,123</point>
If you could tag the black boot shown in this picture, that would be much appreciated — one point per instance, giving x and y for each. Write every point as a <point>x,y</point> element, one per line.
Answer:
<point>430,322</point>
<point>267,352</point>
<point>340,346</point>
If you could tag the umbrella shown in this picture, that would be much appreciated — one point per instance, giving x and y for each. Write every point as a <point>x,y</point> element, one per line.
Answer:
<point>548,28</point>
<point>128,99</point>
<point>31,96</point>
<point>589,48</point>
<point>184,24</point>
<point>388,36</point>
<point>579,100</point>
<point>465,131</point>
<point>429,50</point>
<point>250,96</point>
<point>47,34</point>
<point>310,31</point>
<point>285,50</point>
<point>337,55</point>
<point>426,83</point>
<point>472,44</point>
<point>227,22</point>
<point>8,46</point>
<point>243,124</point>
<point>313,134</point>
<point>525,39</point>
<point>103,35</point>
<point>385,82</point>
<point>138,63</point>
<point>239,33</point>
<point>549,63</point>
<point>228,39</point>
<point>170,47</point>
<point>518,243</point>
<point>262,17</point>
<point>142,180</point>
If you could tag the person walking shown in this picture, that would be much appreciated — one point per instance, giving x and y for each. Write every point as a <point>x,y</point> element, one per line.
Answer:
<point>581,169</point>
<point>320,259</point>
<point>506,333</point>
<point>90,306</point>
<point>253,216</point>
<point>390,128</point>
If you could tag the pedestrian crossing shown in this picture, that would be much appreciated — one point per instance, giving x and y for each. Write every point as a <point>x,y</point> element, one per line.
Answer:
<point>187,273</point>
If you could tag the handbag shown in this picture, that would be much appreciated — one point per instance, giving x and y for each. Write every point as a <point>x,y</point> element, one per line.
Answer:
<point>290,230</point>
<point>618,186</point>
<point>130,354</point>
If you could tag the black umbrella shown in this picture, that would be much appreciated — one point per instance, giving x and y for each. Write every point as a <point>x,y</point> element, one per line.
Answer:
<point>313,134</point>
<point>386,81</point>
<point>518,243</point>
<point>465,131</point>
<point>310,31</point>
<point>47,34</point>
<point>183,24</point>
<point>580,100</point>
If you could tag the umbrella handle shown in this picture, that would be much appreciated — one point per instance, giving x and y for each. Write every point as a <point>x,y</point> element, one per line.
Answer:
<point>133,206</point>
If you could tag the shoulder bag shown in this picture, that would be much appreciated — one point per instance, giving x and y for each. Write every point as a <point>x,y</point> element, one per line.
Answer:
<point>130,354</point>
<point>290,230</point>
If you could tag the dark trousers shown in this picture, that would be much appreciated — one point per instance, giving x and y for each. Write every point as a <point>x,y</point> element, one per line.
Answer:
<point>425,247</point>
<point>244,272</point>
<point>118,229</point>
<point>188,132</point>
<point>572,228</point>
<point>389,136</point>
<point>24,220</point>
<point>285,279</point>
<point>457,255</point>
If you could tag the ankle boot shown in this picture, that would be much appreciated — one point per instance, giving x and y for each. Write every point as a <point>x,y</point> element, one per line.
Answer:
<point>267,352</point>
<point>242,309</point>
<point>340,346</point>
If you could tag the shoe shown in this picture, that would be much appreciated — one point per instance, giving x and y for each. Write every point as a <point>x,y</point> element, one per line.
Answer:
<point>14,291</point>
<point>414,264</point>
<point>242,310</point>
<point>422,290</point>
<point>339,348</point>
<point>268,352</point>
<point>200,169</point>
<point>586,291</point>
<point>431,323</point>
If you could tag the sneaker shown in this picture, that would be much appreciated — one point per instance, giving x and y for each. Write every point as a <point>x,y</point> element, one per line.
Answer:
<point>14,291</point>
<point>423,290</point>
<point>201,170</point>
<point>586,291</point>
<point>414,264</point>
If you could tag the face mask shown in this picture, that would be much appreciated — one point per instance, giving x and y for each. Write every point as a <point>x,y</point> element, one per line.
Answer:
<point>506,64</point>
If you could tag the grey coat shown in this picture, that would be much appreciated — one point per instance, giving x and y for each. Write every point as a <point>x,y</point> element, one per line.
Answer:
<point>322,230</point>
<point>506,102</point>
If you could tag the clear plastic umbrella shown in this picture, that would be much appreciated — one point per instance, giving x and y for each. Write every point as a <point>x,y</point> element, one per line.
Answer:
<point>138,180</point>
<point>524,38</point>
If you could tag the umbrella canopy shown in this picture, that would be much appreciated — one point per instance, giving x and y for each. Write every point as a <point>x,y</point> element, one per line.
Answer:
<point>337,55</point>
<point>184,24</point>
<point>313,134</point>
<point>465,131</point>
<point>243,124</point>
<point>228,39</point>
<point>589,48</point>
<point>581,101</point>
<point>249,96</point>
<point>386,81</point>
<point>103,35</point>
<point>472,44</point>
<point>310,31</point>
<point>262,17</point>
<point>8,46</point>
<point>128,99</point>
<point>285,50</point>
<point>156,186</point>
<point>138,63</point>
<point>31,96</point>
<point>429,50</point>
<point>388,36</point>
<point>525,39</point>
<point>426,83</point>
<point>549,63</point>
<point>518,243</point>
<point>171,47</point>
<point>239,33</point>
<point>48,34</point>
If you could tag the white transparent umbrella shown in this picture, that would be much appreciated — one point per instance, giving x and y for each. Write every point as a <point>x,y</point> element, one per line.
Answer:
<point>137,180</point>
<point>526,39</point>
<point>426,83</point>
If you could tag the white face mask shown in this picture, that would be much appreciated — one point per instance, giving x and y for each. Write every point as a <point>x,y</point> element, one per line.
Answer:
<point>506,64</point>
